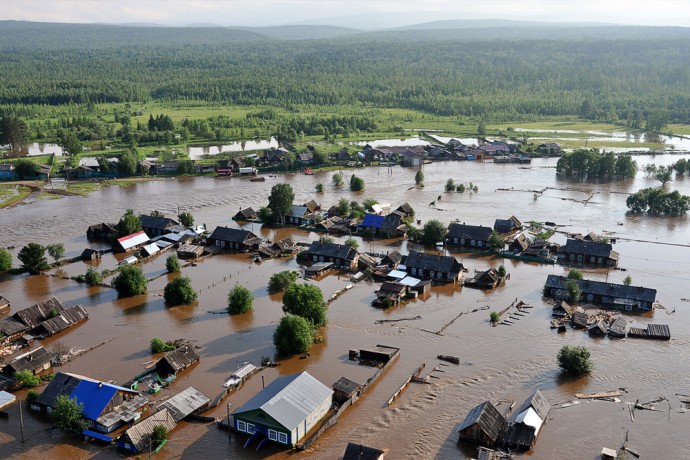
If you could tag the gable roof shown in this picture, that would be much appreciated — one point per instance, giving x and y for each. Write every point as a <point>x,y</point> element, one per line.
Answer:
<point>437,263</point>
<point>392,257</point>
<point>490,421</point>
<point>359,452</point>
<point>36,314</point>
<point>30,361</point>
<point>289,399</point>
<point>95,396</point>
<point>65,319</point>
<point>10,326</point>
<point>181,358</point>
<point>346,385</point>
<point>311,205</point>
<point>589,248</point>
<point>185,403</point>
<point>469,232</point>
<point>157,223</point>
<point>336,251</point>
<point>372,220</point>
<point>140,433</point>
<point>538,402</point>
<point>637,293</point>
<point>233,235</point>
<point>247,213</point>
<point>298,211</point>
<point>61,384</point>
<point>405,208</point>
<point>135,239</point>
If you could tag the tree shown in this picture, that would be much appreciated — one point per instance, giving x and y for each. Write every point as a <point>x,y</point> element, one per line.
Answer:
<point>481,128</point>
<point>293,335</point>
<point>129,223</point>
<point>56,251</point>
<point>92,277</point>
<point>433,232</point>
<point>343,207</point>
<point>70,143</point>
<point>5,260</point>
<point>657,202</point>
<point>130,281</point>
<point>502,272</point>
<point>319,188</point>
<point>306,300</point>
<point>337,179</point>
<point>289,159</point>
<point>179,291</point>
<point>575,360</point>
<point>356,184</point>
<point>494,317</point>
<point>12,132</point>
<point>663,174</point>
<point>26,379</point>
<point>159,436</point>
<point>325,239</point>
<point>573,290</point>
<point>157,213</point>
<point>627,281</point>
<point>33,258</point>
<point>24,168</point>
<point>280,201</point>
<point>419,177</point>
<point>68,414</point>
<point>496,241</point>
<point>281,281</point>
<point>240,300</point>
<point>352,243</point>
<point>681,166</point>
<point>185,167</point>
<point>172,264</point>
<point>450,185</point>
<point>369,203</point>
<point>186,219</point>
<point>575,274</point>
<point>127,164</point>
<point>159,345</point>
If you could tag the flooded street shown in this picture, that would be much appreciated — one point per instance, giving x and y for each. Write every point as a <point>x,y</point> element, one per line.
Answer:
<point>501,363</point>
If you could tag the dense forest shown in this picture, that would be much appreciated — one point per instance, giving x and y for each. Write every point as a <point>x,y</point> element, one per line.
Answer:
<point>446,73</point>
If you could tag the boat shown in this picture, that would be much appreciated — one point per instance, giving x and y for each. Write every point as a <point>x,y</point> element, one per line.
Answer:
<point>450,359</point>
<point>308,171</point>
<point>239,376</point>
<point>258,179</point>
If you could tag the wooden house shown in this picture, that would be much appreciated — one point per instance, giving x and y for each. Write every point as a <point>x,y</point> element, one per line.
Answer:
<point>510,225</point>
<point>619,327</point>
<point>66,319</point>
<point>101,231</point>
<point>138,439</point>
<point>7,171</point>
<point>345,389</point>
<point>168,167</point>
<point>598,328</point>
<point>342,255</point>
<point>89,254</point>
<point>488,279</point>
<point>6,400</point>
<point>609,295</point>
<point>391,291</point>
<point>434,267</point>
<point>155,226</point>
<point>392,259</point>
<point>299,215</point>
<point>11,329</point>
<point>483,425</point>
<point>588,252</point>
<point>355,451</point>
<point>312,206</point>
<point>36,314</point>
<point>190,251</point>
<point>234,239</point>
<point>177,360</point>
<point>34,361</point>
<point>562,310</point>
<point>132,242</point>
<point>188,402</point>
<point>522,430</point>
<point>389,226</point>
<point>285,411</point>
<point>652,331</point>
<point>245,214</point>
<point>378,354</point>
<point>4,306</point>
<point>469,236</point>
<point>405,210</point>
<point>367,261</point>
<point>318,269</point>
<point>580,319</point>
<point>519,244</point>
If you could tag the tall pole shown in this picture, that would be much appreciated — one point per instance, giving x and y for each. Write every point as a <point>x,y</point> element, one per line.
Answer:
<point>21,420</point>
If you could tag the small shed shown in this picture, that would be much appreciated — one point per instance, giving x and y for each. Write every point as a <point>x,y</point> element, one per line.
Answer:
<point>90,254</point>
<point>35,361</point>
<point>392,259</point>
<point>318,269</point>
<point>4,305</point>
<point>190,401</point>
<point>11,329</point>
<point>66,319</point>
<point>245,214</point>
<point>619,328</point>
<point>138,438</point>
<point>177,360</point>
<point>580,320</point>
<point>355,451</point>
<point>344,389</point>
<point>562,310</point>
<point>392,291</point>
<point>598,329</point>
<point>379,353</point>
<point>190,251</point>
<point>483,425</point>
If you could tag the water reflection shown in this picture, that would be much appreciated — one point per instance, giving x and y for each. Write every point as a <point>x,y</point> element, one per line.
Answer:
<point>195,152</point>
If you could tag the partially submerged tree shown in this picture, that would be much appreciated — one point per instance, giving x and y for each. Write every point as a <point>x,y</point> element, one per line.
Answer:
<point>56,251</point>
<point>179,291</point>
<point>496,241</point>
<point>433,232</point>
<point>129,223</point>
<point>664,174</point>
<point>26,379</point>
<point>5,260</point>
<point>337,179</point>
<point>627,281</point>
<point>353,243</point>
<point>450,185</point>
<point>419,178</point>
<point>172,264</point>
<point>240,300</point>
<point>130,281</point>
<point>575,360</point>
<point>282,280</point>
<point>159,436</point>
<point>573,290</point>
<point>280,201</point>
<point>306,300</point>
<point>33,258</point>
<point>159,345</point>
<point>575,274</point>
<point>293,335</point>
<point>93,277</point>
<point>319,188</point>
<point>356,184</point>
<point>186,219</point>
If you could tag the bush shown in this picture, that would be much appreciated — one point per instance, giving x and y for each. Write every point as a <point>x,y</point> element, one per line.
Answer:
<point>33,258</point>
<point>159,436</point>
<point>68,414</point>
<point>356,184</point>
<point>496,241</point>
<point>186,219</point>
<point>240,300</point>
<point>281,281</point>
<point>575,360</point>
<point>31,396</point>
<point>352,243</point>
<point>179,291</point>
<point>573,290</point>
<point>172,264</point>
<point>159,345</point>
<point>27,379</point>
<point>306,300</point>
<point>575,274</point>
<point>56,251</point>
<point>5,260</point>
<point>319,188</point>
<point>433,232</point>
<point>130,281</point>
<point>502,272</point>
<point>419,177</point>
<point>92,277</point>
<point>293,335</point>
<point>494,317</point>
<point>450,185</point>
<point>337,179</point>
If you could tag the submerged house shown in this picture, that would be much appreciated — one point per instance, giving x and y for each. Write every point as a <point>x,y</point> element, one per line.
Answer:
<point>483,425</point>
<point>11,329</point>
<point>299,215</point>
<point>389,226</point>
<point>66,319</point>
<point>610,295</point>
<point>469,236</point>
<point>132,242</point>
<point>189,401</point>
<point>434,267</point>
<point>245,214</point>
<point>34,361</point>
<point>234,239</point>
<point>101,231</point>
<point>523,428</point>
<point>355,451</point>
<point>509,225</point>
<point>285,410</point>
<point>488,279</point>
<point>588,252</point>
<point>342,255</point>
<point>34,315</point>
<point>177,360</point>
<point>155,226</point>
<point>138,438</point>
<point>391,291</point>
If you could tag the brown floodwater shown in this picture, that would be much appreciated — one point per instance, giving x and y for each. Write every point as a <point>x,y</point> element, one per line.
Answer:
<point>502,363</point>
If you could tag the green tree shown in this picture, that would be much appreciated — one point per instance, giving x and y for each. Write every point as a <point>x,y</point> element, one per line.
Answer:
<point>68,414</point>
<point>352,243</point>
<point>5,260</point>
<point>127,164</point>
<point>281,281</point>
<point>433,232</point>
<point>337,179</point>
<point>186,219</point>
<point>172,264</point>
<point>369,203</point>
<point>356,184</point>
<point>185,167</point>
<point>92,277</point>
<point>33,258</point>
<point>343,207</point>
<point>496,241</point>
<point>627,281</point>
<point>325,239</point>
<point>280,201</point>
<point>24,168</point>
<point>450,185</point>
<point>159,436</point>
<point>663,174</point>
<point>70,143</point>
<point>157,213</point>
<point>26,379</point>
<point>481,128</point>
<point>419,177</point>
<point>265,215</point>
<point>289,160</point>
<point>12,132</point>
<point>240,300</point>
<point>56,251</point>
<point>573,290</point>
<point>293,335</point>
<point>575,274</point>
<point>306,300</point>
<point>319,188</point>
<point>159,345</point>
<point>494,317</point>
<point>130,281</point>
<point>502,272</point>
<point>681,166</point>
<point>179,291</point>
<point>575,360</point>
<point>129,223</point>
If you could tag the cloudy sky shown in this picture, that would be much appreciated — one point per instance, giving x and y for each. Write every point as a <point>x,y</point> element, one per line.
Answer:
<point>387,12</point>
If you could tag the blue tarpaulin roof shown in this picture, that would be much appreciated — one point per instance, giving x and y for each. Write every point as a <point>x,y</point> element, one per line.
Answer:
<point>96,435</point>
<point>372,220</point>
<point>95,396</point>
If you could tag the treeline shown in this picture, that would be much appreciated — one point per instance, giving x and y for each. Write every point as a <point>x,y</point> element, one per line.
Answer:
<point>658,202</point>
<point>587,163</point>
<point>614,80</point>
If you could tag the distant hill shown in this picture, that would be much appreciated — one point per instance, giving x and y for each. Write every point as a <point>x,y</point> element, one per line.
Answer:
<point>490,23</point>
<point>302,32</point>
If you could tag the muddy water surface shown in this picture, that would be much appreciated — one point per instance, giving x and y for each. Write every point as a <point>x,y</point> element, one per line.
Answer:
<point>502,363</point>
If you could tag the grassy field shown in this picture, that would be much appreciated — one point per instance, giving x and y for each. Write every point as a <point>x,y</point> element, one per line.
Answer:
<point>11,194</point>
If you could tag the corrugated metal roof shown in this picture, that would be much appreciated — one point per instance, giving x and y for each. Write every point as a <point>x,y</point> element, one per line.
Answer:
<point>95,396</point>
<point>397,274</point>
<point>150,249</point>
<point>185,403</point>
<point>289,399</point>
<point>135,239</point>
<point>140,433</point>
<point>409,281</point>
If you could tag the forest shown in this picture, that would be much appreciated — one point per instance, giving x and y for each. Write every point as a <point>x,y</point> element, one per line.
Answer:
<point>451,73</point>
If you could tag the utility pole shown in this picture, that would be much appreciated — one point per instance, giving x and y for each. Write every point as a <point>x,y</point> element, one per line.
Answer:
<point>227,406</point>
<point>21,420</point>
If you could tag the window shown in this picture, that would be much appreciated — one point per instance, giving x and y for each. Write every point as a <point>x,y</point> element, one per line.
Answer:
<point>315,258</point>
<point>439,275</point>
<point>241,426</point>
<point>432,273</point>
<point>601,261</point>
<point>480,244</point>
<point>455,240</point>
<point>572,256</point>
<point>473,243</point>
<point>593,259</point>
<point>414,271</point>
<point>590,297</point>
<point>628,308</point>
<point>250,428</point>
<point>282,437</point>
<point>462,240</point>
<point>272,435</point>
<point>579,258</point>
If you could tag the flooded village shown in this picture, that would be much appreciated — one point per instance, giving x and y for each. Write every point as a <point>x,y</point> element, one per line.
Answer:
<point>430,351</point>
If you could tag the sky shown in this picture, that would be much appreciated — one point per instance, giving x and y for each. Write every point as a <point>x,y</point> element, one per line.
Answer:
<point>382,13</point>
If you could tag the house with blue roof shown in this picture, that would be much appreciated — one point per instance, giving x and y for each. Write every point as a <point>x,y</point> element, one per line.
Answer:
<point>389,226</point>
